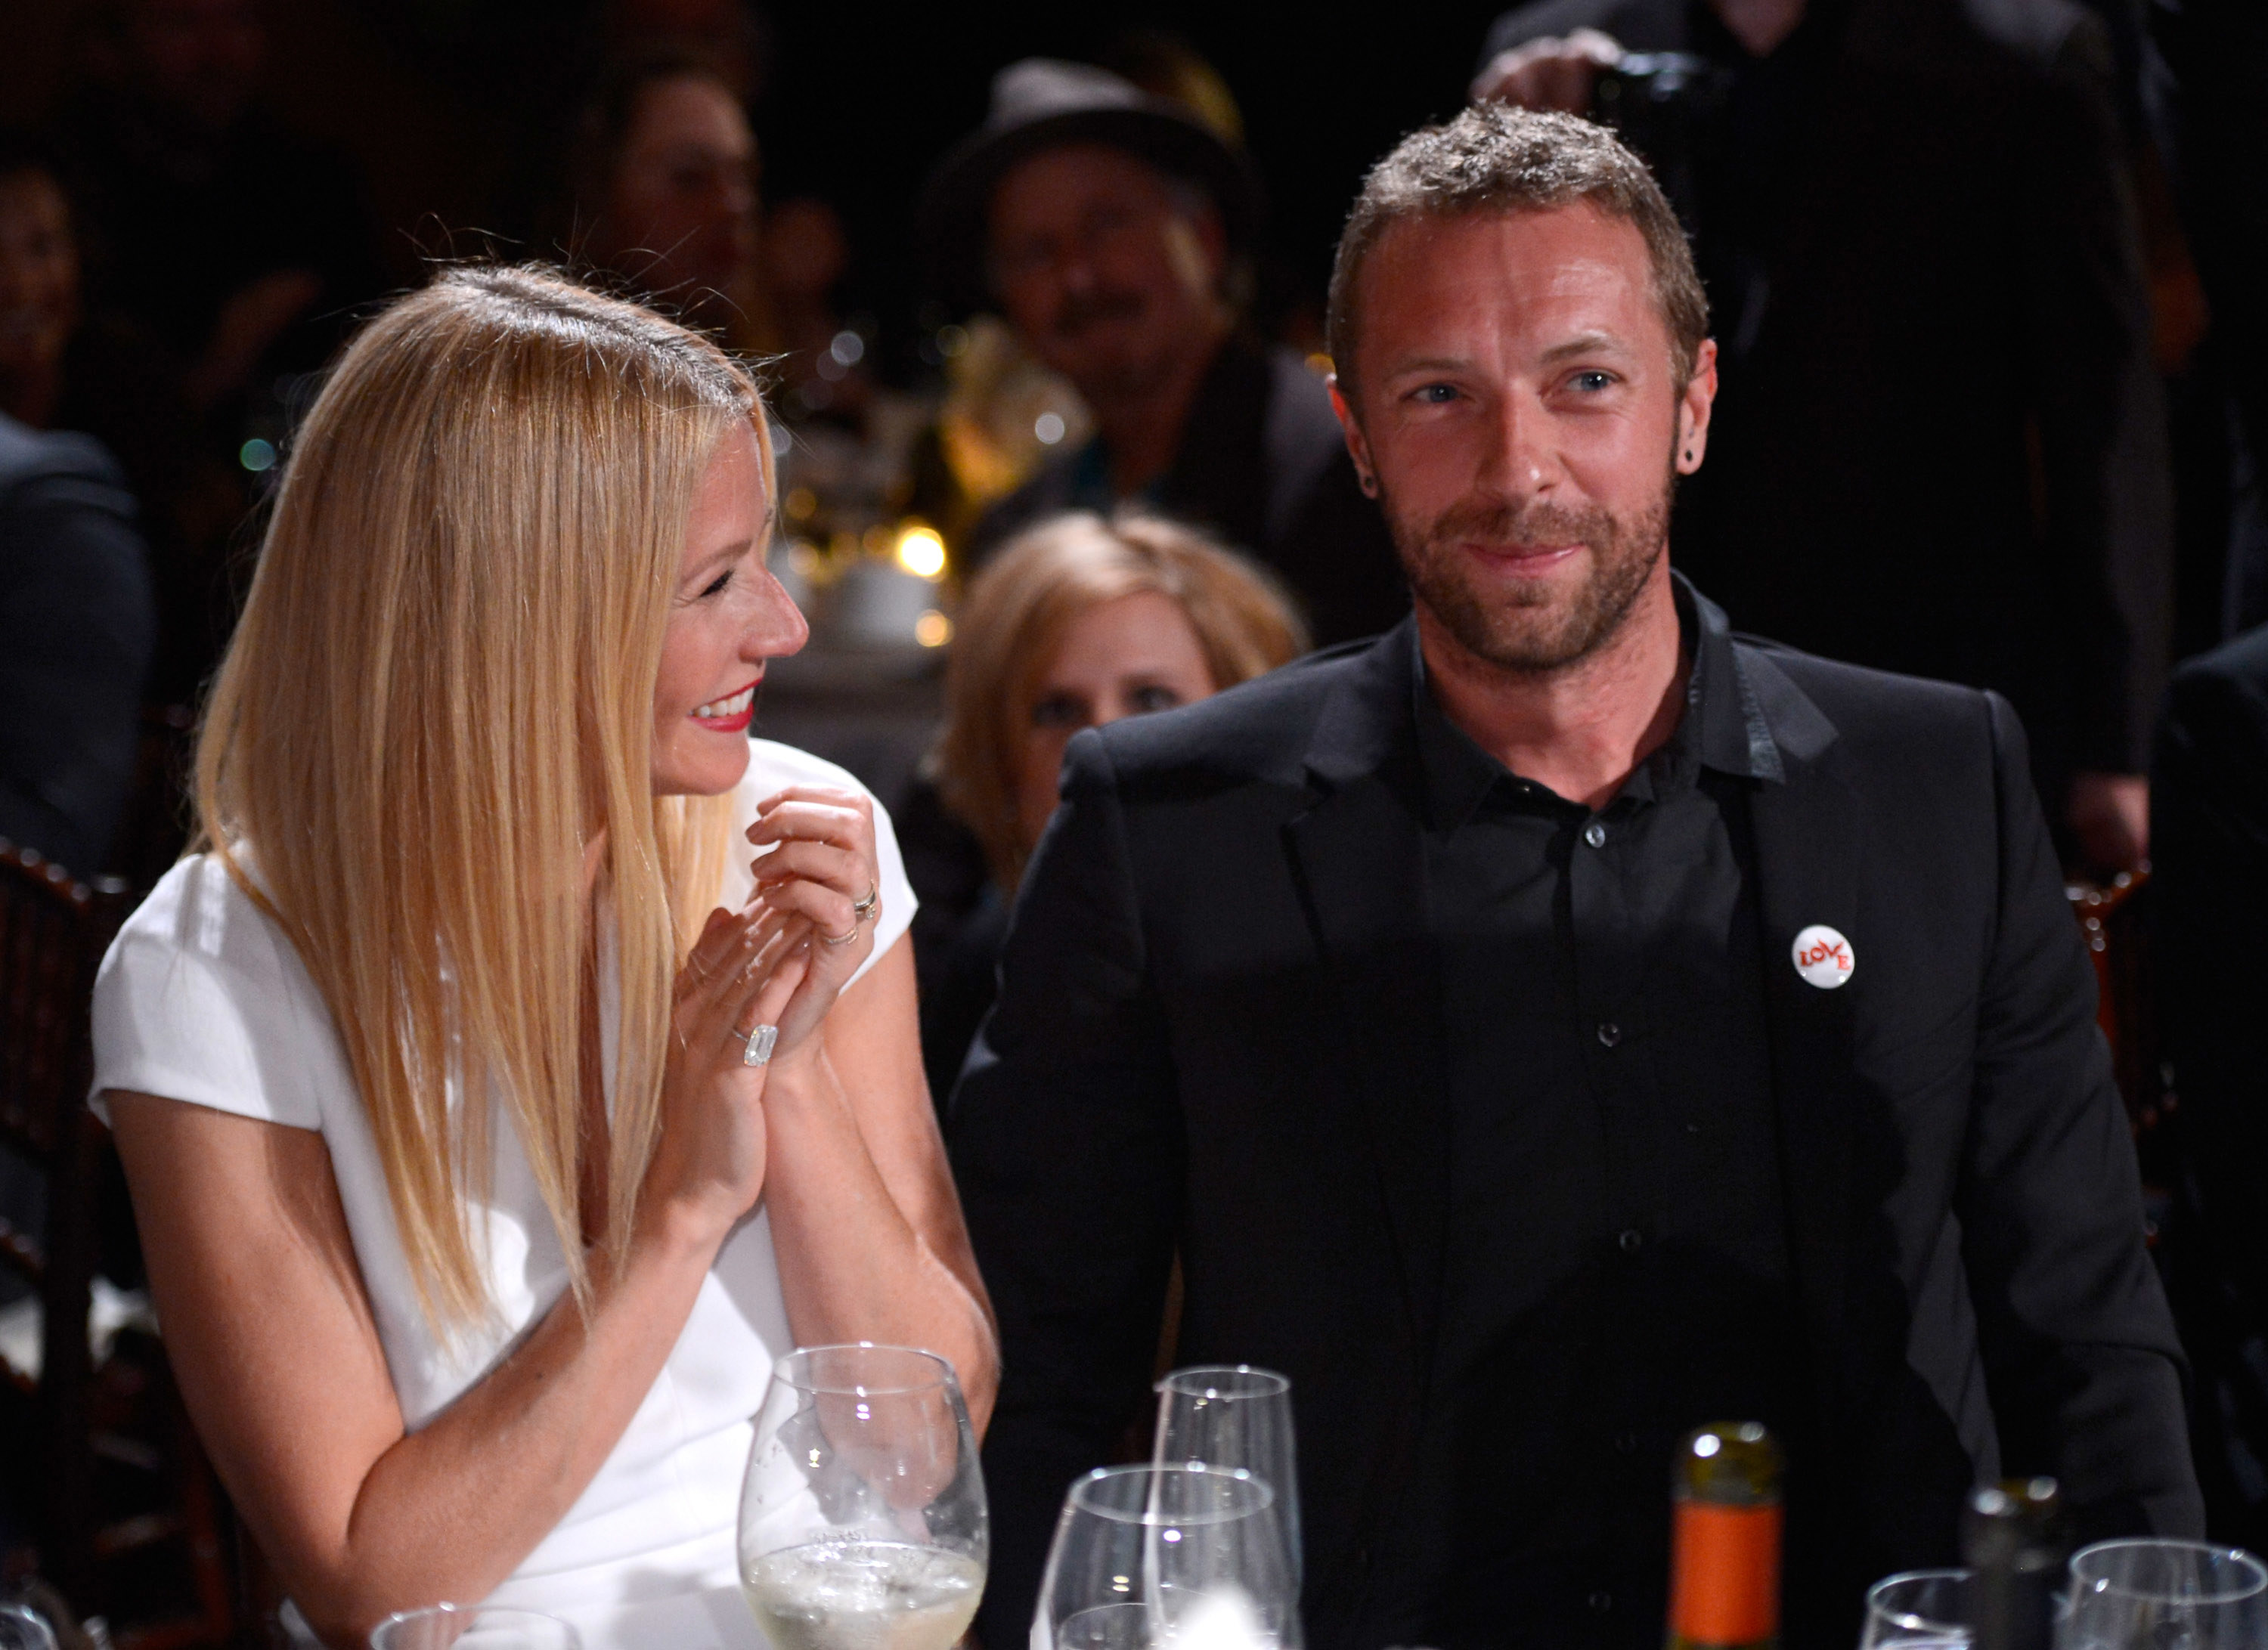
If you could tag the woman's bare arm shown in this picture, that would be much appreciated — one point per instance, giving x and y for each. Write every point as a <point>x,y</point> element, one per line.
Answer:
<point>271,1334</point>
<point>863,1213</point>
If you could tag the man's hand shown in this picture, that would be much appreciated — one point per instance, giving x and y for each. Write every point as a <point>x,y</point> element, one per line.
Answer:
<point>2110,813</point>
<point>1548,73</point>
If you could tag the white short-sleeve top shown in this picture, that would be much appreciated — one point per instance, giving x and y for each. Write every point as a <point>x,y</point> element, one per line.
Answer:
<point>202,998</point>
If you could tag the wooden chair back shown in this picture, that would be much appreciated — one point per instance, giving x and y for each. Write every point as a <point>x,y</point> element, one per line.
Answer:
<point>54,929</point>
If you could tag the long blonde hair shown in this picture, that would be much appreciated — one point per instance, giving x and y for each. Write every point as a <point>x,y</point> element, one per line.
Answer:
<point>1026,596</point>
<point>441,693</point>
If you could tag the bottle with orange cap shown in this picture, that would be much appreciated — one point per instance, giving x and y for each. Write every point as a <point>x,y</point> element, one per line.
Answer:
<point>1725,1539</point>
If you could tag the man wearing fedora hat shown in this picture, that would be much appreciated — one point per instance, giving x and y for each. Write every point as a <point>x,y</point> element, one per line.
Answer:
<point>1112,229</point>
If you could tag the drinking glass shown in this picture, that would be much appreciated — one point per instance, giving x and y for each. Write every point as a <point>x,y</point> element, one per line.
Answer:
<point>23,1628</point>
<point>472,1627</point>
<point>1168,1557</point>
<point>863,1524</point>
<point>2166,1596</point>
<point>1920,1609</point>
<point>1233,1415</point>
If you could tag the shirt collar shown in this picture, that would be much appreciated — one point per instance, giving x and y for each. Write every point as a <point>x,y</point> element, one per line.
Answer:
<point>1723,727</point>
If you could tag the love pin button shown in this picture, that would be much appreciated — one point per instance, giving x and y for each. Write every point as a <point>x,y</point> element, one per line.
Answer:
<point>1823,957</point>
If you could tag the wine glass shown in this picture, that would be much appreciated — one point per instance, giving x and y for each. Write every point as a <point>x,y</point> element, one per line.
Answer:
<point>1189,1556</point>
<point>1920,1609</point>
<point>472,1627</point>
<point>1233,1415</point>
<point>23,1628</point>
<point>2166,1596</point>
<point>863,1524</point>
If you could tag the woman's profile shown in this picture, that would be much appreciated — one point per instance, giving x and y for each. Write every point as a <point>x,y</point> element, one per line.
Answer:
<point>525,1057</point>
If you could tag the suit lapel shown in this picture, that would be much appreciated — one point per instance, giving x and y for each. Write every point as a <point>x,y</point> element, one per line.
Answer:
<point>1358,855</point>
<point>1811,845</point>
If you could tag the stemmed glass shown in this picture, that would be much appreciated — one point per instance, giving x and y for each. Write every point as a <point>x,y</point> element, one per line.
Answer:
<point>1921,1610</point>
<point>472,1627</point>
<point>23,1628</point>
<point>2166,1596</point>
<point>1233,1415</point>
<point>863,1523</point>
<point>1188,1556</point>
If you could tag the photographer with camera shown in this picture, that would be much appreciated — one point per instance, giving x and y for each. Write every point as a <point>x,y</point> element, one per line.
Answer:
<point>1941,446</point>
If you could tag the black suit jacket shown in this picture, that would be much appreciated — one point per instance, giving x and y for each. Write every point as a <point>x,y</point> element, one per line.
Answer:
<point>1219,1034</point>
<point>75,629</point>
<point>1262,463</point>
<point>2209,847</point>
<point>1939,445</point>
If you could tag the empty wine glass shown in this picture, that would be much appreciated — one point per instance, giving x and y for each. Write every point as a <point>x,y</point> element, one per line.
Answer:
<point>1233,1415</point>
<point>1168,1557</point>
<point>1921,1610</point>
<point>2166,1596</point>
<point>861,1518</point>
<point>472,1627</point>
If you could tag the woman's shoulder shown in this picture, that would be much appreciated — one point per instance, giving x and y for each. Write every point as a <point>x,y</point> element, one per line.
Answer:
<point>203,997</point>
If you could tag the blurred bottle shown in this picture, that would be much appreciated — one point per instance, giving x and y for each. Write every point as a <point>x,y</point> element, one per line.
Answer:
<point>2012,1537</point>
<point>1725,1539</point>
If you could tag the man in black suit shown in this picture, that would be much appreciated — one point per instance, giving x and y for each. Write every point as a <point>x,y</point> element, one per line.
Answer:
<point>1560,1023</point>
<point>1890,199</point>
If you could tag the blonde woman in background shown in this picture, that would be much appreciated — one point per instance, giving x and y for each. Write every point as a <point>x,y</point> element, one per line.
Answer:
<point>1075,622</point>
<point>473,1220</point>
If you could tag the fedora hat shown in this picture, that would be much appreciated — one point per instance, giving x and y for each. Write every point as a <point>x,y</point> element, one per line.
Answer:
<point>1043,103</point>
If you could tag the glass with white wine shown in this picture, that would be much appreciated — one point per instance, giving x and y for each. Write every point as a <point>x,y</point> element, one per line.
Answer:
<point>863,1523</point>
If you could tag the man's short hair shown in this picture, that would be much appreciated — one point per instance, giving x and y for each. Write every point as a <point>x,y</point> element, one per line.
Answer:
<point>1496,158</point>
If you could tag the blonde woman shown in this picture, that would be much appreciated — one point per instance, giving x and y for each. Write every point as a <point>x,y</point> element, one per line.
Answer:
<point>475,1216</point>
<point>1075,622</point>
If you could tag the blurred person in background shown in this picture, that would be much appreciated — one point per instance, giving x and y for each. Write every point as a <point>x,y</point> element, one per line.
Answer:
<point>76,624</point>
<point>238,244</point>
<point>62,368</point>
<point>1113,229</point>
<point>2209,886</point>
<point>1887,198</point>
<point>1076,623</point>
<point>665,187</point>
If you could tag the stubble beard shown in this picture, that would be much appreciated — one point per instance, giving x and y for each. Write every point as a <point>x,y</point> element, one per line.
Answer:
<point>1535,632</point>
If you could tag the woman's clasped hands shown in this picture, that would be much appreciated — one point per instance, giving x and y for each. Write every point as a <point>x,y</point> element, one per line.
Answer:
<point>752,994</point>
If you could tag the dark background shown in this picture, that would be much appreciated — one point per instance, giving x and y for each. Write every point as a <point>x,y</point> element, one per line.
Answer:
<point>451,106</point>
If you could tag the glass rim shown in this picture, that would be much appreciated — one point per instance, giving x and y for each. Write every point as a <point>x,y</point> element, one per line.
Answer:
<point>1082,1498</point>
<point>1261,1383</point>
<point>470,1613</point>
<point>1915,1619</point>
<point>2255,1572</point>
<point>794,1369</point>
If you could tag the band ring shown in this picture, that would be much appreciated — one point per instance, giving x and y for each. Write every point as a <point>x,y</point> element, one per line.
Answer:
<point>841,939</point>
<point>865,910</point>
<point>756,1045</point>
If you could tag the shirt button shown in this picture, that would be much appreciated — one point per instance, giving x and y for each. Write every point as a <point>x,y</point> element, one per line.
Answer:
<point>1630,1241</point>
<point>1602,1602</point>
<point>1610,1033</point>
<point>1595,834</point>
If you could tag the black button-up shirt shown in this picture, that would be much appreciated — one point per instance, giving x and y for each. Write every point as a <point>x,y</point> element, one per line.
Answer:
<point>1619,1267</point>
